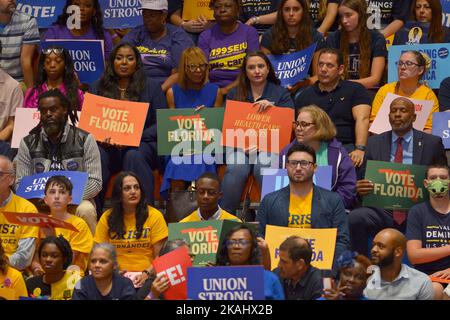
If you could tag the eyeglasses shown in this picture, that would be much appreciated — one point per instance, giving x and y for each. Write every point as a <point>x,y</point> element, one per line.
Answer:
<point>211,193</point>
<point>239,242</point>
<point>305,164</point>
<point>57,51</point>
<point>407,64</point>
<point>194,67</point>
<point>6,173</point>
<point>302,124</point>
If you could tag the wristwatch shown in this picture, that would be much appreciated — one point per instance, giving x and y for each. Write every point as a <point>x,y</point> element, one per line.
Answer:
<point>360,147</point>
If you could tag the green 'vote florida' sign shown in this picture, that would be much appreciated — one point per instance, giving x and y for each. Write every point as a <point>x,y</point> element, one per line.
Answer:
<point>186,132</point>
<point>396,185</point>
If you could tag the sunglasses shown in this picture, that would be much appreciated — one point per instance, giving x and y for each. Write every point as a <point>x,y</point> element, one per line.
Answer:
<point>57,51</point>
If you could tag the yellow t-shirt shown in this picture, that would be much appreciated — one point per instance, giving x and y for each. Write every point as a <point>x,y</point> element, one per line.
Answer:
<point>11,233</point>
<point>134,254</point>
<point>13,279</point>
<point>193,217</point>
<point>300,211</point>
<point>422,93</point>
<point>63,289</point>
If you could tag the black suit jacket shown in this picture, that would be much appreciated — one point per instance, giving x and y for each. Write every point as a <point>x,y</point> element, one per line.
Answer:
<point>427,149</point>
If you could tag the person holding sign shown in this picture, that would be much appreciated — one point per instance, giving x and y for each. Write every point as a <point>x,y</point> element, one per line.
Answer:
<point>58,195</point>
<point>124,79</point>
<point>135,229</point>
<point>11,278</point>
<point>315,128</point>
<point>192,91</point>
<point>402,144</point>
<point>427,229</point>
<point>302,204</point>
<point>19,242</point>
<point>55,71</point>
<point>364,50</point>
<point>57,282</point>
<point>227,43</point>
<point>411,68</point>
<point>241,247</point>
<point>85,22</point>
<point>104,281</point>
<point>292,32</point>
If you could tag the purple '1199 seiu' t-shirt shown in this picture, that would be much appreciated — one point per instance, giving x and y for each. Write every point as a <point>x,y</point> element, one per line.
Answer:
<point>226,52</point>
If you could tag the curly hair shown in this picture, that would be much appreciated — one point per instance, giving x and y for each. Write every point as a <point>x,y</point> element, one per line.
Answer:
<point>96,20</point>
<point>63,246</point>
<point>436,30</point>
<point>255,255</point>
<point>116,223</point>
<point>280,36</point>
<point>365,39</point>
<point>108,84</point>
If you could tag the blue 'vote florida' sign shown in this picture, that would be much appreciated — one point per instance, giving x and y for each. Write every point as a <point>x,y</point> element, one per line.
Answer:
<point>45,11</point>
<point>88,57</point>
<point>293,67</point>
<point>275,179</point>
<point>441,127</point>
<point>120,14</point>
<point>33,187</point>
<point>438,53</point>
<point>226,283</point>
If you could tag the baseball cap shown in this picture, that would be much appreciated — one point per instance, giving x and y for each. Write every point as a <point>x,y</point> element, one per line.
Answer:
<point>155,5</point>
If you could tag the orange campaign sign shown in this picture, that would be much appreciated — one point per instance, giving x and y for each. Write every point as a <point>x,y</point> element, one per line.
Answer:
<point>192,9</point>
<point>120,121</point>
<point>244,127</point>
<point>37,220</point>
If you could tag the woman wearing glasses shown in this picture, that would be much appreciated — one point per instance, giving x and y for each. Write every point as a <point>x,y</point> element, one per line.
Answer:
<point>241,247</point>
<point>315,129</point>
<point>411,67</point>
<point>193,90</point>
<point>55,71</point>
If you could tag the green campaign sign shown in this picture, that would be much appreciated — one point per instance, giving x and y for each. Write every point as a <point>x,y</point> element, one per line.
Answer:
<point>204,237</point>
<point>396,185</point>
<point>186,132</point>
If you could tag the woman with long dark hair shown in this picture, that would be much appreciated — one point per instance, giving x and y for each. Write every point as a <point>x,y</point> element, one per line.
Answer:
<point>124,79</point>
<point>55,71</point>
<point>136,229</point>
<point>364,50</point>
<point>257,84</point>
<point>91,24</point>
<point>10,278</point>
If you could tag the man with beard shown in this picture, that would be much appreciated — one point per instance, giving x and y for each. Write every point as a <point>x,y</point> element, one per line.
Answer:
<point>302,204</point>
<point>402,144</point>
<point>54,145</point>
<point>393,280</point>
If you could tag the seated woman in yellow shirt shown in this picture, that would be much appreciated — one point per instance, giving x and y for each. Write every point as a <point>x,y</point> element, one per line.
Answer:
<point>12,285</point>
<point>135,229</point>
<point>411,67</point>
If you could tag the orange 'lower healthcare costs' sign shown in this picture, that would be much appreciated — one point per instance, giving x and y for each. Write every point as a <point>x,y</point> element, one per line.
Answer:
<point>37,220</point>
<point>120,121</point>
<point>244,127</point>
<point>322,241</point>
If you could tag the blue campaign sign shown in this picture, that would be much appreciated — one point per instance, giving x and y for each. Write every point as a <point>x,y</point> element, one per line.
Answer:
<point>438,53</point>
<point>445,12</point>
<point>226,283</point>
<point>441,127</point>
<point>275,179</point>
<point>87,55</point>
<point>32,187</point>
<point>293,67</point>
<point>45,11</point>
<point>121,14</point>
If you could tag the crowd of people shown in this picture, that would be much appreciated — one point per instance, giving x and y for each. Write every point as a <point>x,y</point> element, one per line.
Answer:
<point>171,63</point>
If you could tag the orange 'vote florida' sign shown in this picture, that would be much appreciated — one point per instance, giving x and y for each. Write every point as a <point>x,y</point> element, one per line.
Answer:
<point>37,220</point>
<point>244,127</point>
<point>120,122</point>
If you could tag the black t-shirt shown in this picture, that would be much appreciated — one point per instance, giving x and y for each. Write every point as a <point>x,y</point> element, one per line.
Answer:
<point>433,229</point>
<point>309,287</point>
<point>38,282</point>
<point>267,40</point>
<point>377,47</point>
<point>388,11</point>
<point>252,8</point>
<point>314,6</point>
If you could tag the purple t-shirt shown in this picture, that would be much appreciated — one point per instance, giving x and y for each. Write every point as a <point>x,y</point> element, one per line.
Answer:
<point>62,32</point>
<point>159,57</point>
<point>226,52</point>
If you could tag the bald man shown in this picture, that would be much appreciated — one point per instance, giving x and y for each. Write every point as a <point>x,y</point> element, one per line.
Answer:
<point>417,147</point>
<point>393,280</point>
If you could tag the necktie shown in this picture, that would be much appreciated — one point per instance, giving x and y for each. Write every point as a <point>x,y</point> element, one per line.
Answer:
<point>399,215</point>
